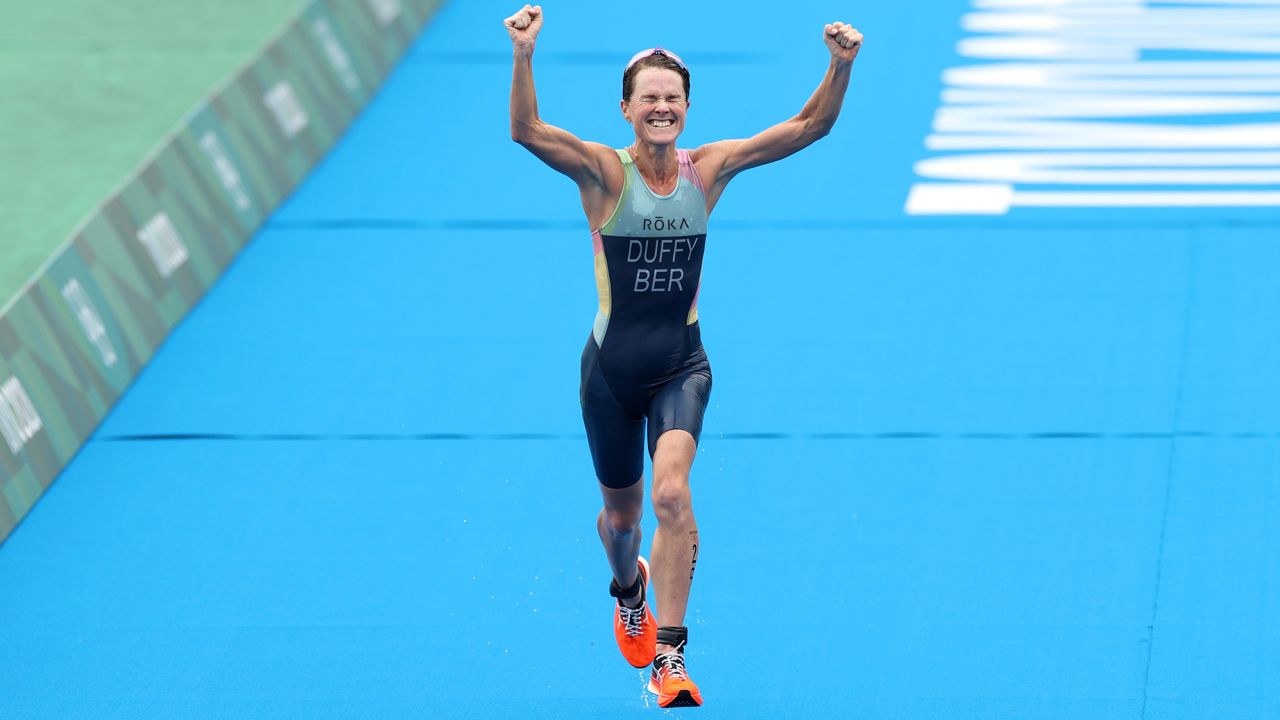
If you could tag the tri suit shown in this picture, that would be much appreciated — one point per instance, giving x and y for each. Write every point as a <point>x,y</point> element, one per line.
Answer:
<point>644,358</point>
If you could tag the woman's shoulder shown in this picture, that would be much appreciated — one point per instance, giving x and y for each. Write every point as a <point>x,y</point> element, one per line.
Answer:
<point>711,149</point>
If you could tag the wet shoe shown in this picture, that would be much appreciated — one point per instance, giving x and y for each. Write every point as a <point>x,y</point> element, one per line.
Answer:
<point>635,629</point>
<point>671,683</point>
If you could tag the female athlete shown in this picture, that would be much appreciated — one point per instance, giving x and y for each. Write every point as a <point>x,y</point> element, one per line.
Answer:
<point>647,206</point>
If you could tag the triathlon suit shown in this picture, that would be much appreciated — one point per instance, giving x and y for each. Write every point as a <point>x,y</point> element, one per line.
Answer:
<point>644,359</point>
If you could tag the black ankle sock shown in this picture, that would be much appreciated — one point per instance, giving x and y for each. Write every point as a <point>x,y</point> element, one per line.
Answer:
<point>636,589</point>
<point>675,636</point>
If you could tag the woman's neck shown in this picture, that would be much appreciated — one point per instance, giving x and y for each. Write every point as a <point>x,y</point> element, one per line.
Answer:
<point>655,161</point>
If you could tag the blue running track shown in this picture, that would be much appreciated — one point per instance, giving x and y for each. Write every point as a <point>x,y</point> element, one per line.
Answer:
<point>996,467</point>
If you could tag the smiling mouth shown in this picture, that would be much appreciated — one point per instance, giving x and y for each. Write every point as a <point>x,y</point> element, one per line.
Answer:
<point>661,123</point>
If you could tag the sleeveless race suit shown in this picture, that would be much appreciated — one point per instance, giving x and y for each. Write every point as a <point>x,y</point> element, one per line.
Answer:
<point>644,358</point>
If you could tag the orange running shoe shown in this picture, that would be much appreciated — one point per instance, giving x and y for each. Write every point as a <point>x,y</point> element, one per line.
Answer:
<point>671,683</point>
<point>635,630</point>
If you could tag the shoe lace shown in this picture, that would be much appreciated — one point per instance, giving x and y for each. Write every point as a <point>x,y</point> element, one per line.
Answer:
<point>672,663</point>
<point>632,619</point>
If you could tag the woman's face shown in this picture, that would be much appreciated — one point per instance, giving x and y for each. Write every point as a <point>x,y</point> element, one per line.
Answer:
<point>657,107</point>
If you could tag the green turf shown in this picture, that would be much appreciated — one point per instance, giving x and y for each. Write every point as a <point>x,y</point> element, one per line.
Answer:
<point>89,88</point>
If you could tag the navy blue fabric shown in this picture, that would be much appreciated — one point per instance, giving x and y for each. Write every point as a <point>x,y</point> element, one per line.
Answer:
<point>614,411</point>
<point>653,283</point>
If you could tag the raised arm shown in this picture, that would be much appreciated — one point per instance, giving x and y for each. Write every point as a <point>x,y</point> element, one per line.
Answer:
<point>722,160</point>
<point>561,150</point>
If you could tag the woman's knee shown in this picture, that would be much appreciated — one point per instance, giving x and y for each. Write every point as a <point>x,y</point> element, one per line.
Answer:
<point>671,498</point>
<point>623,508</point>
<point>622,521</point>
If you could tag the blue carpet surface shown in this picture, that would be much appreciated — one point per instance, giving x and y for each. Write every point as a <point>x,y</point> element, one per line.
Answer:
<point>1011,467</point>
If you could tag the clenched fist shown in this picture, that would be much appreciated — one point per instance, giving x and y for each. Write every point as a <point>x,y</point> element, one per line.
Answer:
<point>843,40</point>
<point>523,27</point>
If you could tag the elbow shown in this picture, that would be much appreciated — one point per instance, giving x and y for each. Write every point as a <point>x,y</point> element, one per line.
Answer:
<point>819,128</point>
<point>813,129</point>
<point>522,132</point>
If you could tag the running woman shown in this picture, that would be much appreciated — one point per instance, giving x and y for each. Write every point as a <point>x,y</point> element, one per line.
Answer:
<point>647,206</point>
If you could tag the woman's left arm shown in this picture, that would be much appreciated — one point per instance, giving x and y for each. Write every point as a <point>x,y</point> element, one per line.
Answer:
<point>726,158</point>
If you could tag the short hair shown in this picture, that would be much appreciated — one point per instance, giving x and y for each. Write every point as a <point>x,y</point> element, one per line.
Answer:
<point>656,60</point>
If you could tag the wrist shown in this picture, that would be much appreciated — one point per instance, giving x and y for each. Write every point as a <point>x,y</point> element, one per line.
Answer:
<point>522,51</point>
<point>841,63</point>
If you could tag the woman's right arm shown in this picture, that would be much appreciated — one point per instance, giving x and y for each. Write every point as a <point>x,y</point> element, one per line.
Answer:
<point>560,149</point>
